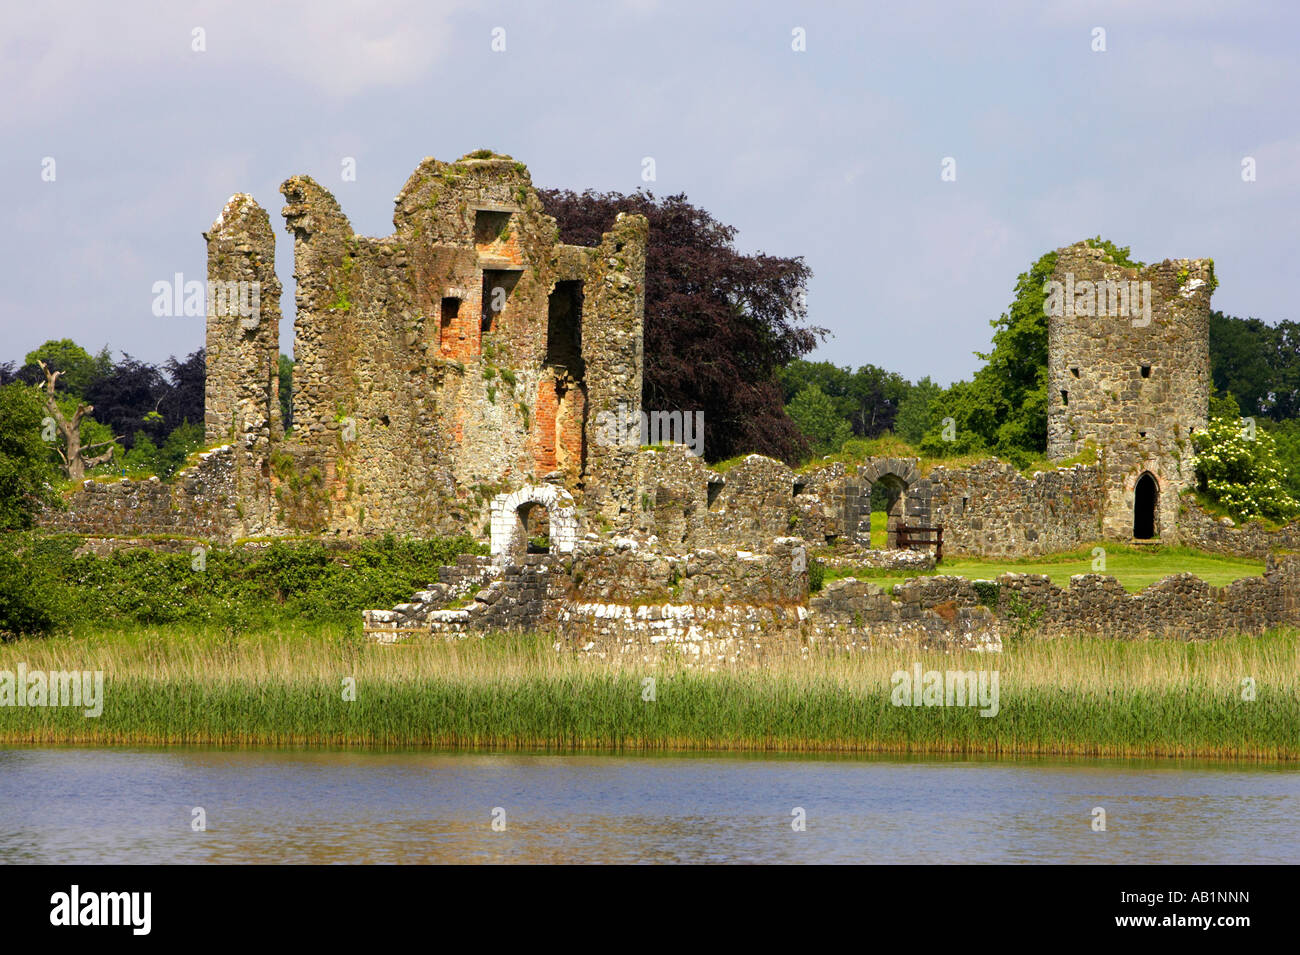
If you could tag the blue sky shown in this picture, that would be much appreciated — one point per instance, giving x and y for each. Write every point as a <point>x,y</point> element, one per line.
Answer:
<point>833,153</point>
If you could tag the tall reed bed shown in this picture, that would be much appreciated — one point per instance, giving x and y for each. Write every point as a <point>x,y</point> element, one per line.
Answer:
<point>1084,696</point>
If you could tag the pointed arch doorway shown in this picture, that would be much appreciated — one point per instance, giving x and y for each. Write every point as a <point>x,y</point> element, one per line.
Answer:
<point>1146,495</point>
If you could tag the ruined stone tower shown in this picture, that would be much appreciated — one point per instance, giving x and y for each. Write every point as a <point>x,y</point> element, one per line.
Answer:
<point>1129,372</point>
<point>466,354</point>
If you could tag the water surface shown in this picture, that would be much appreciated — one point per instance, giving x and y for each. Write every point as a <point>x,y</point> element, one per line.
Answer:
<point>284,806</point>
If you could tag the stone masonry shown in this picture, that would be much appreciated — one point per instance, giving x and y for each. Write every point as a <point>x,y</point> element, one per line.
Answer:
<point>1129,373</point>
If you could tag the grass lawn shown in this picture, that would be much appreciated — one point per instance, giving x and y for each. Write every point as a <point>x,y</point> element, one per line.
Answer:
<point>879,530</point>
<point>1134,567</point>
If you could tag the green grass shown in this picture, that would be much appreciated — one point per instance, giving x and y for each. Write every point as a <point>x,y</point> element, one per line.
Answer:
<point>1085,696</point>
<point>879,530</point>
<point>1134,567</point>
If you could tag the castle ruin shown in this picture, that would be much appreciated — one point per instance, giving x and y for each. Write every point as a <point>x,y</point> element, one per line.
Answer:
<point>461,356</point>
<point>451,378</point>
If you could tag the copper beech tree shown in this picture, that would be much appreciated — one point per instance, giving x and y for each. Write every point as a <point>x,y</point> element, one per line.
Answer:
<point>75,460</point>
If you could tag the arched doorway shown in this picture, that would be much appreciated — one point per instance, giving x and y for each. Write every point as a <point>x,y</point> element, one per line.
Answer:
<point>882,487</point>
<point>534,519</point>
<point>887,496</point>
<point>537,527</point>
<point>1145,495</point>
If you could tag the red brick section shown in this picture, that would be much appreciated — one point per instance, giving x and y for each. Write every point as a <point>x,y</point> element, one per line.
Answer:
<point>459,331</point>
<point>544,427</point>
<point>570,432</point>
<point>507,250</point>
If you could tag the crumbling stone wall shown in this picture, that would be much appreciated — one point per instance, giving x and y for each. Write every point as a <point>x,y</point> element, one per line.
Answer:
<point>1135,386</point>
<point>242,389</point>
<point>200,502</point>
<point>518,596</point>
<point>1223,535</point>
<point>1179,606</point>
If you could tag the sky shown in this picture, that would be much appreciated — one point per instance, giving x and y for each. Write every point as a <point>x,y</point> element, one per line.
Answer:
<point>122,140</point>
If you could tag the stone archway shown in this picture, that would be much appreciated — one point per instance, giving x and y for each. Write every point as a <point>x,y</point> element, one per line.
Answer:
<point>895,477</point>
<point>510,513</point>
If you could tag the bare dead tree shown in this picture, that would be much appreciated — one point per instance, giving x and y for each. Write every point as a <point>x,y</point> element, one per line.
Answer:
<point>75,457</point>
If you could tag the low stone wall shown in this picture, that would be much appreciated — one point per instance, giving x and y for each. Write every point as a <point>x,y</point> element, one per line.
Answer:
<point>1223,535</point>
<point>199,503</point>
<point>930,613</point>
<point>910,561</point>
<point>626,573</point>
<point>1180,606</point>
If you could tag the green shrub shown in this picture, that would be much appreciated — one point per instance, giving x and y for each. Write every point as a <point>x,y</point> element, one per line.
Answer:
<point>1237,465</point>
<point>33,599</point>
<point>47,586</point>
<point>816,574</point>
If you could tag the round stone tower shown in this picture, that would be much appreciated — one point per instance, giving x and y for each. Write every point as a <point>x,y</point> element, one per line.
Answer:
<point>1129,373</point>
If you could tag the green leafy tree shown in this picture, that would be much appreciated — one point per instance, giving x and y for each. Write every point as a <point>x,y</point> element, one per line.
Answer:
<point>1238,466</point>
<point>1003,409</point>
<point>1286,436</point>
<point>867,398</point>
<point>815,414</point>
<point>286,391</point>
<point>142,459</point>
<point>27,469</point>
<point>1259,363</point>
<point>79,368</point>
<point>180,444</point>
<point>913,419</point>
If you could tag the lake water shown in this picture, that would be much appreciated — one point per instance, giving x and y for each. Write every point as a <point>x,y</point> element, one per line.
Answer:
<point>136,806</point>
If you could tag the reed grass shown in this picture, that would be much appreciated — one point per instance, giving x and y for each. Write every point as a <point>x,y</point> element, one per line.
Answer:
<point>179,684</point>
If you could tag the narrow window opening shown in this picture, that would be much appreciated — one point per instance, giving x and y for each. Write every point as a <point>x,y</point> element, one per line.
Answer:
<point>1146,371</point>
<point>1075,371</point>
<point>564,327</point>
<point>497,286</point>
<point>715,488</point>
<point>447,322</point>
<point>1065,397</point>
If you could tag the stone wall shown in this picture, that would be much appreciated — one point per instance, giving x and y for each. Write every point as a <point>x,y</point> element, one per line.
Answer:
<point>517,596</point>
<point>991,510</point>
<point>459,357</point>
<point>1223,535</point>
<point>199,502</point>
<point>1179,606</point>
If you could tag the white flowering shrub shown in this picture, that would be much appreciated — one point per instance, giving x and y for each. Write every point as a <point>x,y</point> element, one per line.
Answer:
<point>1238,467</point>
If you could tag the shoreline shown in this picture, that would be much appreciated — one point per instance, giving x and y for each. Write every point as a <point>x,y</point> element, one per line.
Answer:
<point>1289,760</point>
